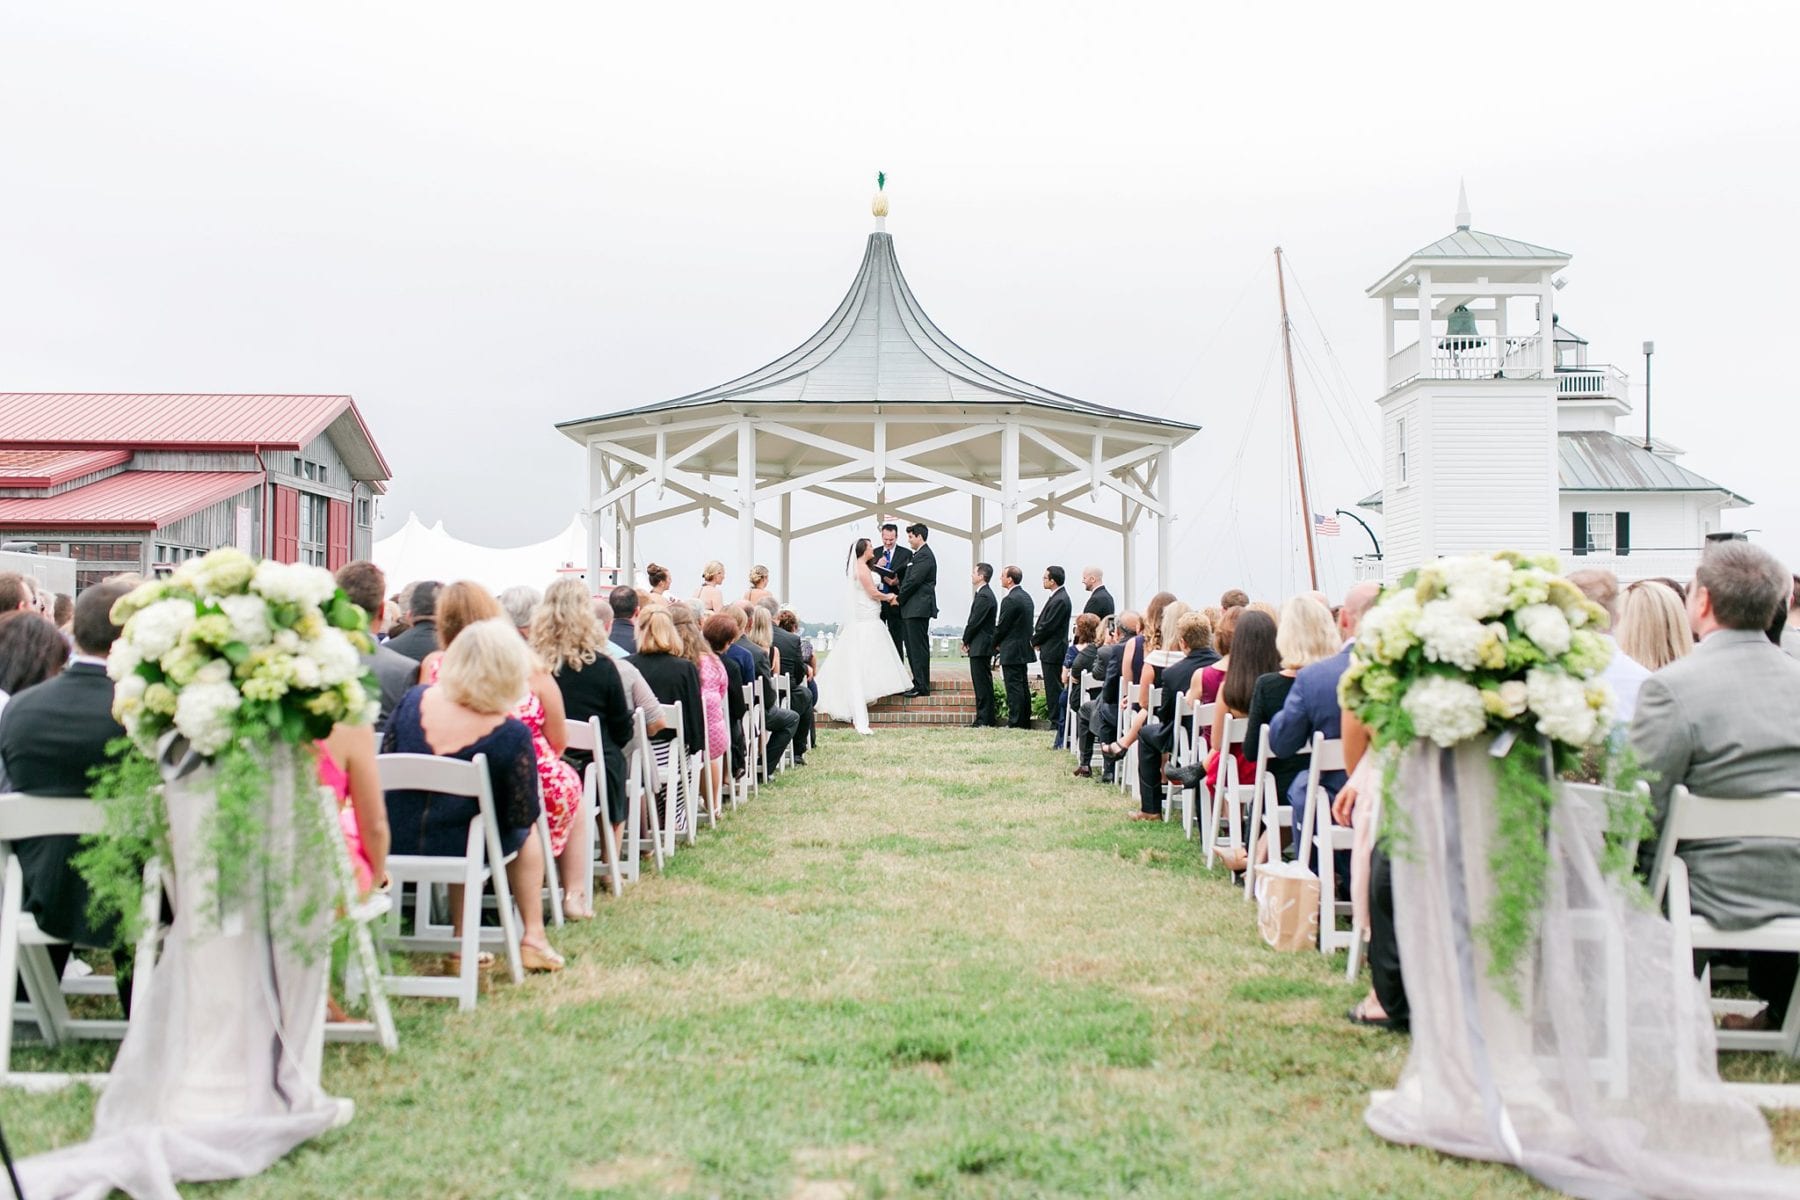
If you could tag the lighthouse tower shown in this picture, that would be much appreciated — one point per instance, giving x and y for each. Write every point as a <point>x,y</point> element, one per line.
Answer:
<point>1469,414</point>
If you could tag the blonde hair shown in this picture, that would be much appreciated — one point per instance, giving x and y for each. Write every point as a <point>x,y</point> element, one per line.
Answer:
<point>656,633</point>
<point>1265,608</point>
<point>486,669</point>
<point>712,572</point>
<point>1171,625</point>
<point>1194,630</point>
<point>759,575</point>
<point>564,630</point>
<point>1653,626</point>
<point>762,630</point>
<point>687,628</point>
<point>1305,633</point>
<point>462,604</point>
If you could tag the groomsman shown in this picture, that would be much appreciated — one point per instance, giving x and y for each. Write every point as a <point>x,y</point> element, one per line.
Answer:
<point>1012,636</point>
<point>1100,601</point>
<point>888,564</point>
<point>978,644</point>
<point>1051,641</point>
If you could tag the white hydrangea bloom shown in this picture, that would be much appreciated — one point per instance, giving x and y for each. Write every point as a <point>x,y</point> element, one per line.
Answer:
<point>216,670</point>
<point>1386,630</point>
<point>335,657</point>
<point>157,629</point>
<point>203,715</point>
<point>1561,707</point>
<point>294,583</point>
<point>249,616</point>
<point>1514,698</point>
<point>1479,585</point>
<point>1546,626</point>
<point>1445,710</point>
<point>123,660</point>
<point>224,572</point>
<point>1450,635</point>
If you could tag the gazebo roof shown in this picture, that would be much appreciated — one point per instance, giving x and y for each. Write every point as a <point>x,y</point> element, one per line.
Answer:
<point>879,347</point>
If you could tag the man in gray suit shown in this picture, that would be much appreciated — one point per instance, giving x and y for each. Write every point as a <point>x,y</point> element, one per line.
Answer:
<point>365,584</point>
<point>1721,721</point>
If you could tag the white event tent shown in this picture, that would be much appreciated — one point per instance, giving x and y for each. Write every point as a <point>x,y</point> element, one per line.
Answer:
<point>418,551</point>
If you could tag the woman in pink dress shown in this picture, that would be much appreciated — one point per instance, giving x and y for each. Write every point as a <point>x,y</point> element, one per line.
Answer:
<point>713,685</point>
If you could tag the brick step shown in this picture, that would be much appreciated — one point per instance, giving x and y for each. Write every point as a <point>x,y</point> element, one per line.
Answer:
<point>939,716</point>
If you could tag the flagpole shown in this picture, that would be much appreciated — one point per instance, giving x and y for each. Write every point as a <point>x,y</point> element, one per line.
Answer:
<point>1287,350</point>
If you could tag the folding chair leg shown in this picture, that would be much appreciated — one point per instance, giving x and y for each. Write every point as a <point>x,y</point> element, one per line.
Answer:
<point>469,976</point>
<point>378,1002</point>
<point>655,815</point>
<point>552,881</point>
<point>609,850</point>
<point>12,902</point>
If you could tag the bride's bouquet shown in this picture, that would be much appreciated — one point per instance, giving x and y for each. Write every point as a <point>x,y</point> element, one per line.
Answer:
<point>232,667</point>
<point>1498,648</point>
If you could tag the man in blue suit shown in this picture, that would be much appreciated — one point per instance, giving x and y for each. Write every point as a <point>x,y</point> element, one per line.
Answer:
<point>1312,703</point>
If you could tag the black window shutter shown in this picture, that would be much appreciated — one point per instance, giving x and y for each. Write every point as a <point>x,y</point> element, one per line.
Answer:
<point>1578,539</point>
<point>1622,532</point>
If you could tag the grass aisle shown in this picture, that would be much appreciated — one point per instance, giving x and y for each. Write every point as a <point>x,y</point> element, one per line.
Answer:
<point>929,963</point>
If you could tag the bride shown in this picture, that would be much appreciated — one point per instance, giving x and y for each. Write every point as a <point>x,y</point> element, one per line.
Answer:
<point>863,666</point>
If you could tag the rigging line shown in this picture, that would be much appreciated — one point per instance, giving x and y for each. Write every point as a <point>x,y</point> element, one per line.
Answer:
<point>1315,372</point>
<point>1325,338</point>
<point>1230,476</point>
<point>1349,437</point>
<point>1344,396</point>
<point>1201,353</point>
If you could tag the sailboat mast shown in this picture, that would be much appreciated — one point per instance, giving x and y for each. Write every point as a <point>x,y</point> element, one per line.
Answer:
<point>1287,350</point>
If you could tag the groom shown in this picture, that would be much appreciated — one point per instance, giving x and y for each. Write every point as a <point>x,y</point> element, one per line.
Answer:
<point>918,604</point>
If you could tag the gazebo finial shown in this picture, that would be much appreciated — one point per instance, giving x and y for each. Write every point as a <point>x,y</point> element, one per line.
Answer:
<point>1462,204</point>
<point>879,204</point>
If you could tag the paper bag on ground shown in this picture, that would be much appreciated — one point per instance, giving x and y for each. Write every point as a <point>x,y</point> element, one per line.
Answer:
<point>1287,906</point>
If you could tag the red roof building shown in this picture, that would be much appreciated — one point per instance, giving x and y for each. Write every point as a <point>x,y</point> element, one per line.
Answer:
<point>141,483</point>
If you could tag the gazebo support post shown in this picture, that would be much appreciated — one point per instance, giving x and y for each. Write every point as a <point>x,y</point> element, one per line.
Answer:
<point>1129,567</point>
<point>600,522</point>
<point>975,528</point>
<point>628,559</point>
<point>746,497</point>
<point>1009,494</point>
<point>787,535</point>
<point>1165,478</point>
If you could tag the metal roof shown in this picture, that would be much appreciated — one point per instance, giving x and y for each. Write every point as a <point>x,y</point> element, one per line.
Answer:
<point>190,421</point>
<point>48,468</point>
<point>1598,461</point>
<point>880,347</point>
<point>130,500</point>
<point>1472,243</point>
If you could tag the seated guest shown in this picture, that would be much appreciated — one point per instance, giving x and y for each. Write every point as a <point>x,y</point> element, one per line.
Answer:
<point>720,630</point>
<point>783,722</point>
<point>1305,635</point>
<point>1145,660</point>
<point>364,583</point>
<point>1224,630</point>
<point>347,765</point>
<point>420,638</point>
<point>1234,598</point>
<point>52,735</point>
<point>1254,654</point>
<point>1721,721</point>
<point>715,680</point>
<point>1385,1006</point>
<point>658,576</point>
<point>518,602</point>
<point>469,711</point>
<point>662,661</point>
<point>790,661</point>
<point>1790,634</point>
<point>1102,713</point>
<point>624,604</point>
<point>63,611</point>
<point>567,639</point>
<point>15,592</point>
<point>1623,674</point>
<point>788,620</point>
<point>1312,704</point>
<point>31,651</point>
<point>1192,640</point>
<point>1653,629</point>
<point>1084,652</point>
<point>461,605</point>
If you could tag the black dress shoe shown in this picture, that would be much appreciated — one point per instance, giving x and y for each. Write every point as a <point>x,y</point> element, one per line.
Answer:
<point>911,692</point>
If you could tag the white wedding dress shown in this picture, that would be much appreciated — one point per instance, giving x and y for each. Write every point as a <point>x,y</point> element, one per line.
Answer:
<point>863,665</point>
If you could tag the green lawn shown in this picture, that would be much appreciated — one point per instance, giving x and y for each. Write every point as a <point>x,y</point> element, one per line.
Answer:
<point>929,963</point>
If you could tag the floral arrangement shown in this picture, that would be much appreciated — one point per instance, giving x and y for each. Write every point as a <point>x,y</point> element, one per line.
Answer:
<point>1494,646</point>
<point>237,659</point>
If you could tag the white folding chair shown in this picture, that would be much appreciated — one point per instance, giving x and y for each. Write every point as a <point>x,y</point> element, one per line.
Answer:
<point>749,782</point>
<point>1183,751</point>
<point>640,797</point>
<point>482,861</point>
<point>1327,839</point>
<point>784,698</point>
<point>1089,690</point>
<point>603,850</point>
<point>1270,813</point>
<point>24,948</point>
<point>1698,818</point>
<point>669,819</point>
<point>1228,800</point>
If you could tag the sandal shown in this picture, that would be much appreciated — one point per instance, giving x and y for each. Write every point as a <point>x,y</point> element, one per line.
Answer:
<point>484,960</point>
<point>1114,750</point>
<point>534,959</point>
<point>1359,1016</point>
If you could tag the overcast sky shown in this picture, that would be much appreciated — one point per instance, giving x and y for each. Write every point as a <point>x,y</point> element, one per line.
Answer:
<point>483,219</point>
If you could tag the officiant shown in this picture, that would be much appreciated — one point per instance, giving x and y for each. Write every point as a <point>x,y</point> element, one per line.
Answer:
<point>889,562</point>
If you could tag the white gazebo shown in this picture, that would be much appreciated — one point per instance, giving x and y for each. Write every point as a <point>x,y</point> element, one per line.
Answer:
<point>877,413</point>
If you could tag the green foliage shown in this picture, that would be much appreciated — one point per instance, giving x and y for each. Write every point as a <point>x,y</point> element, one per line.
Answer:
<point>1040,704</point>
<point>1523,796</point>
<point>129,791</point>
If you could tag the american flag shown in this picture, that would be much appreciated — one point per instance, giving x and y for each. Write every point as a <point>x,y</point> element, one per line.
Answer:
<point>1324,526</point>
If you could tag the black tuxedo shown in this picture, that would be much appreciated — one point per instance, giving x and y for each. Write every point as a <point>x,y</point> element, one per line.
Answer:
<point>416,642</point>
<point>887,567</point>
<point>918,604</point>
<point>1051,638</point>
<point>793,665</point>
<point>1100,603</point>
<point>978,641</point>
<point>50,736</point>
<point>1013,637</point>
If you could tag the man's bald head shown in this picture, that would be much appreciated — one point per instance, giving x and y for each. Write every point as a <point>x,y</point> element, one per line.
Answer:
<point>1131,622</point>
<point>1356,602</point>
